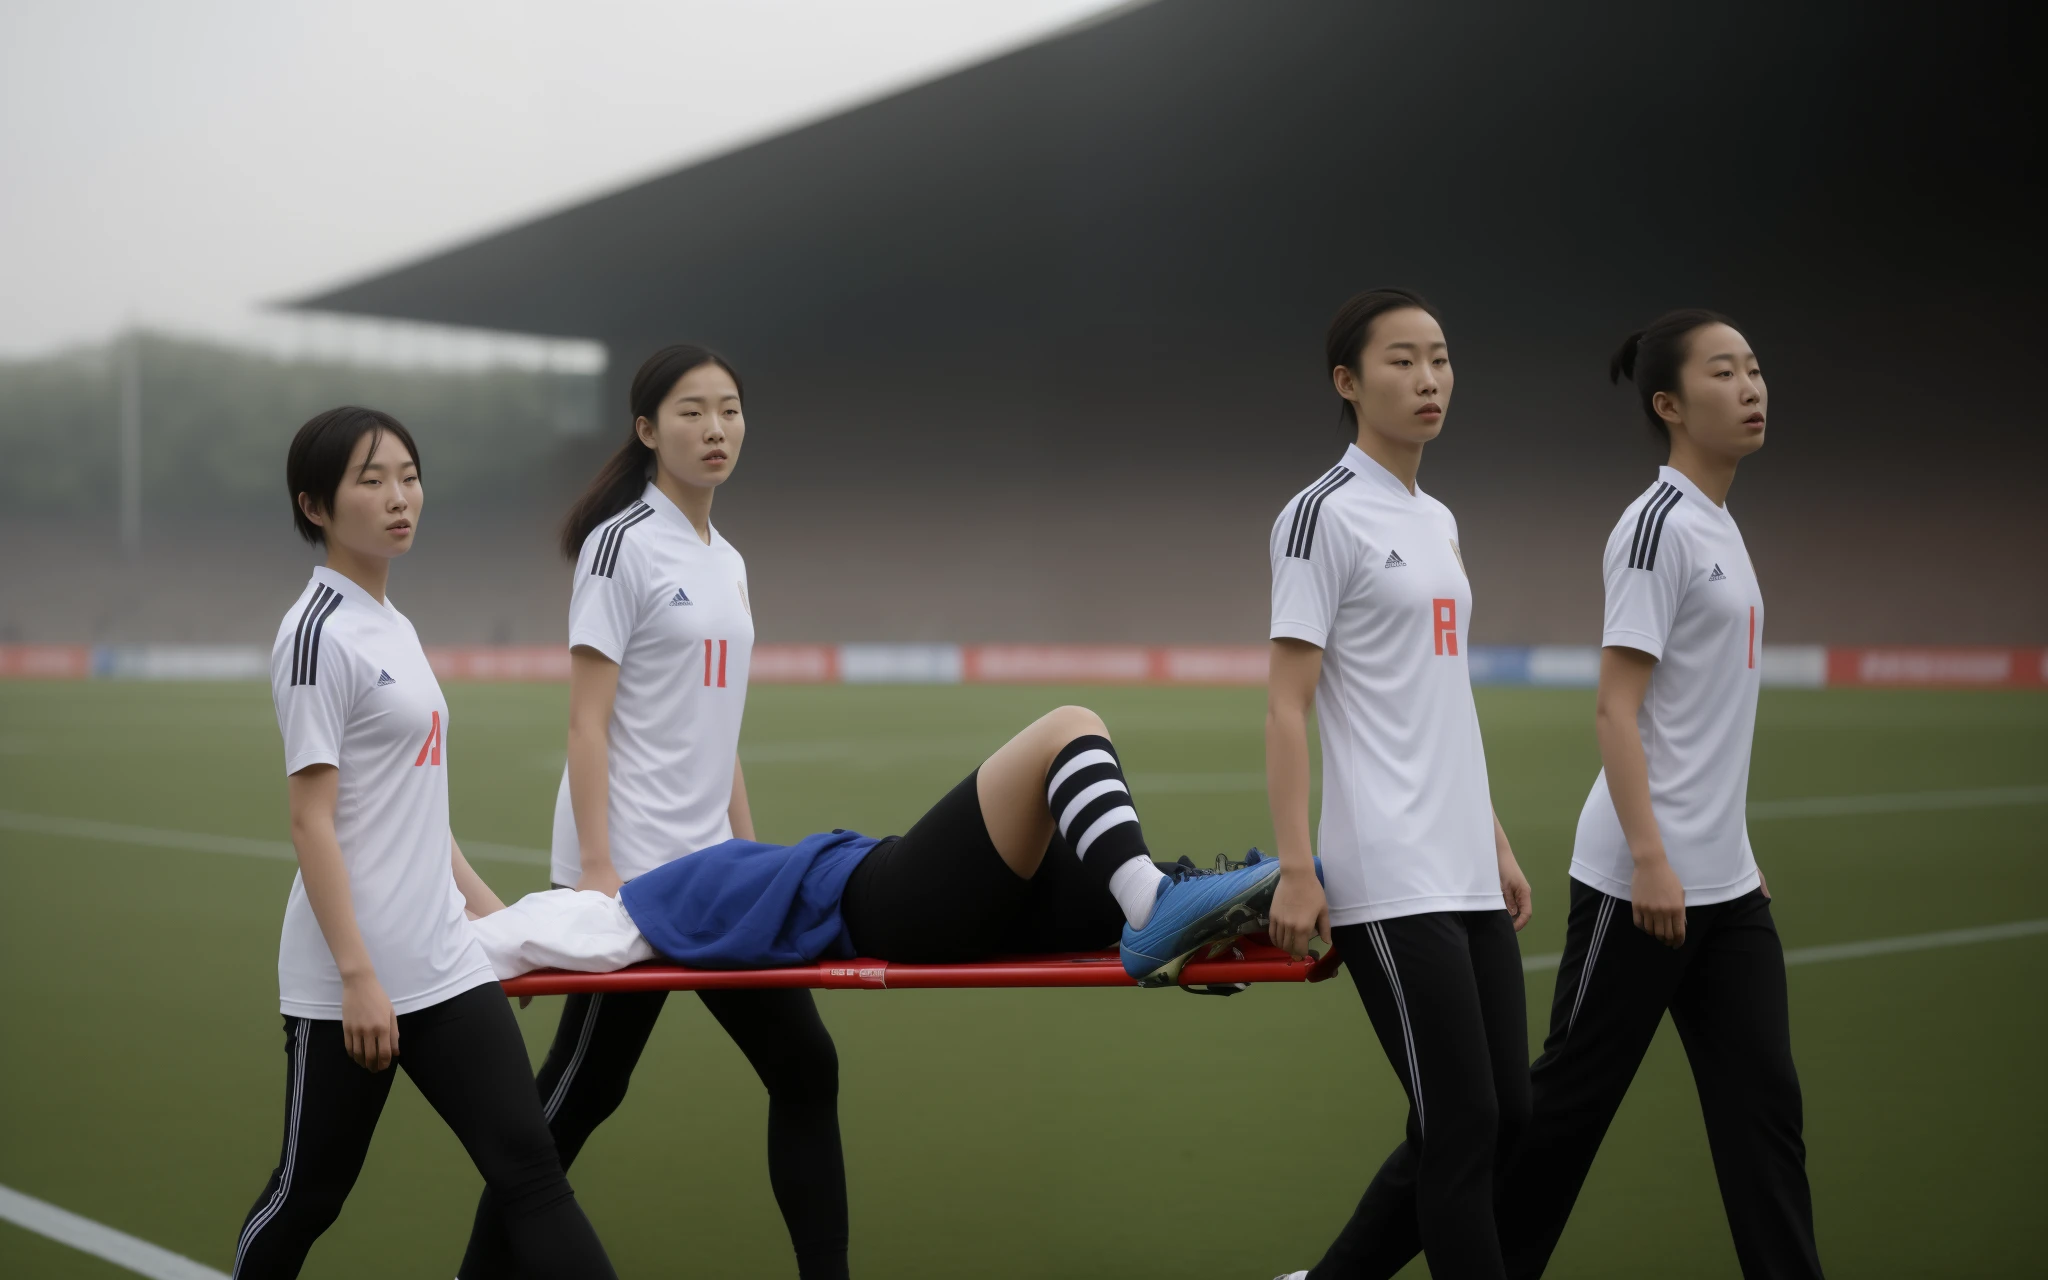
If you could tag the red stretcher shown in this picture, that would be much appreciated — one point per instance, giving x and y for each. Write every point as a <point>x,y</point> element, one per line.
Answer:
<point>1251,959</point>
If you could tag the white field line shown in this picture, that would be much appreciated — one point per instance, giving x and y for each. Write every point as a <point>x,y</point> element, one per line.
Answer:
<point>1916,942</point>
<point>485,851</point>
<point>197,842</point>
<point>87,1236</point>
<point>870,752</point>
<point>147,1259</point>
<point>1873,946</point>
<point>157,837</point>
<point>1144,784</point>
<point>1183,784</point>
<point>1898,802</point>
<point>1159,783</point>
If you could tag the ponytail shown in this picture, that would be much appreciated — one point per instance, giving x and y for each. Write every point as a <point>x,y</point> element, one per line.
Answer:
<point>1624,363</point>
<point>1651,358</point>
<point>624,476</point>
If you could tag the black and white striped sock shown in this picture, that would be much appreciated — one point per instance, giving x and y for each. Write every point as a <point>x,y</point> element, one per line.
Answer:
<point>1091,807</point>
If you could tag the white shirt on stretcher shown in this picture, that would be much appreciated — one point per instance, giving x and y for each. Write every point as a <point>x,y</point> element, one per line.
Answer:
<point>580,930</point>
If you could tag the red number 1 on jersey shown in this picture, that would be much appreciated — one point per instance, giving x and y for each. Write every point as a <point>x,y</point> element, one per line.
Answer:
<point>1445,624</point>
<point>707,663</point>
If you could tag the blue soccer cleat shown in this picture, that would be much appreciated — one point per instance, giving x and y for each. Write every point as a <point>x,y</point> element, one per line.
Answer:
<point>1196,911</point>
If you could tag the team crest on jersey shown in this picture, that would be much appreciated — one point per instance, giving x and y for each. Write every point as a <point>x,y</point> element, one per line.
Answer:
<point>679,597</point>
<point>384,678</point>
<point>1457,555</point>
<point>742,585</point>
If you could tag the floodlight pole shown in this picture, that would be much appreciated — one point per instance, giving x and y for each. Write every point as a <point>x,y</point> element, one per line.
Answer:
<point>131,444</point>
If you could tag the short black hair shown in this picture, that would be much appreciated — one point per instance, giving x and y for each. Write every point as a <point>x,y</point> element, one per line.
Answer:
<point>1352,325</point>
<point>319,457</point>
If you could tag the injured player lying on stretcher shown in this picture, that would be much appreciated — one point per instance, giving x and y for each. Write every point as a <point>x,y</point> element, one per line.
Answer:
<point>1037,851</point>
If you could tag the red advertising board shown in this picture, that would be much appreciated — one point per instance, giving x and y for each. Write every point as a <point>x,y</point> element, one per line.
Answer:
<point>45,661</point>
<point>1056,664</point>
<point>1880,666</point>
<point>499,661</point>
<point>795,664</point>
<point>1938,667</point>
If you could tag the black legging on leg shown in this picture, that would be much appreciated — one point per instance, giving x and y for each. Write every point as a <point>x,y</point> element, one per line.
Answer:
<point>1725,989</point>
<point>1444,992</point>
<point>789,1048</point>
<point>467,1058</point>
<point>598,1043</point>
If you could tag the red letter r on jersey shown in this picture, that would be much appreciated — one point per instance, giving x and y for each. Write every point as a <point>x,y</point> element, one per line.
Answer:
<point>1444,614</point>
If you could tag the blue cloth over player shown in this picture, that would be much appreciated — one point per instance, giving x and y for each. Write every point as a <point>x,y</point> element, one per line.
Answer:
<point>746,905</point>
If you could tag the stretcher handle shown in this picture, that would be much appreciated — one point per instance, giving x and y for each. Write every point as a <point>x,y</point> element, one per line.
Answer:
<point>1260,962</point>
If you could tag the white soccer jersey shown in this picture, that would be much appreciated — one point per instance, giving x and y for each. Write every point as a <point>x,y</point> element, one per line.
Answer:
<point>1680,588</point>
<point>353,689</point>
<point>673,613</point>
<point>1371,573</point>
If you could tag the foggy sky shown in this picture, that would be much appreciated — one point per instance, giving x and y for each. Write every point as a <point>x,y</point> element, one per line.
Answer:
<point>179,165</point>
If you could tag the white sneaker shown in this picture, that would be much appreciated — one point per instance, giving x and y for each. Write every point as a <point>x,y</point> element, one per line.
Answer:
<point>1293,1275</point>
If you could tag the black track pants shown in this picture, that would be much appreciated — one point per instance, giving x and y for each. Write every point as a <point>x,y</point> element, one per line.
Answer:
<point>466,1056</point>
<point>1444,991</point>
<point>1725,989</point>
<point>591,1061</point>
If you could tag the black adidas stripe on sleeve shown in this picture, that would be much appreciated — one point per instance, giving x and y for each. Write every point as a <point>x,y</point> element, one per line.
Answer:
<point>607,559</point>
<point>306,640</point>
<point>1308,509</point>
<point>1642,552</point>
<point>1642,520</point>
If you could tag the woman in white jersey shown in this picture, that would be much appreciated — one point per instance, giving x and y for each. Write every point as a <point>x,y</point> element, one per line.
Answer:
<point>1668,911</point>
<point>661,633</point>
<point>377,966</point>
<point>1371,609</point>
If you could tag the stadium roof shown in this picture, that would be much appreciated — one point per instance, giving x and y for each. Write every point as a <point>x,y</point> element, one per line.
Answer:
<point>1193,170</point>
<point>1035,348</point>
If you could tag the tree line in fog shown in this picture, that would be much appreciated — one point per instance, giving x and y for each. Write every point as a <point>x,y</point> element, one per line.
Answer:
<point>216,421</point>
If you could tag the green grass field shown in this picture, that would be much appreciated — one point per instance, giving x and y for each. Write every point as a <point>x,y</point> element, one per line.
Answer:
<point>1035,1134</point>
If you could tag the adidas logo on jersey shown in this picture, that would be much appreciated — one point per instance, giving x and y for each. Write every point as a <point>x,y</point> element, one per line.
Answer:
<point>1717,575</point>
<point>679,597</point>
<point>1394,560</point>
<point>384,678</point>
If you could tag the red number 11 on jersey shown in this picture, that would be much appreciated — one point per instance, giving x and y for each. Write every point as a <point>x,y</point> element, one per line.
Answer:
<point>1444,615</point>
<point>708,664</point>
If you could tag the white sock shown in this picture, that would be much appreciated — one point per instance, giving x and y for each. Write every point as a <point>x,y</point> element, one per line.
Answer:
<point>1136,886</point>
